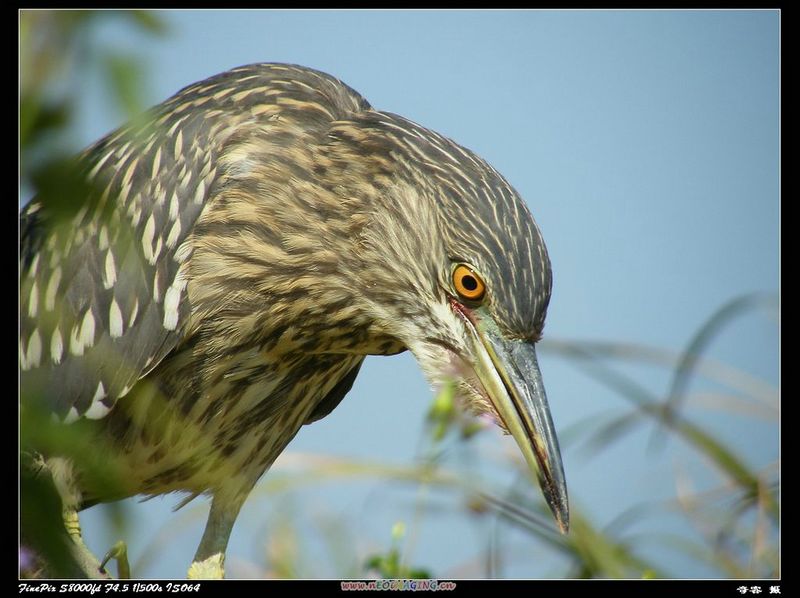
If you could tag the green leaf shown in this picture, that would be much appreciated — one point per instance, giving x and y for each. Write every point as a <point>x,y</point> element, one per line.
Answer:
<point>148,21</point>
<point>125,77</point>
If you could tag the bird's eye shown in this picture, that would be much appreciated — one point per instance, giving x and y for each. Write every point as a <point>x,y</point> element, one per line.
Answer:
<point>468,284</point>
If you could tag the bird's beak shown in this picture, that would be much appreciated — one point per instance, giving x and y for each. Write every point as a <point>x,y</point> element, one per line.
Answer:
<point>509,372</point>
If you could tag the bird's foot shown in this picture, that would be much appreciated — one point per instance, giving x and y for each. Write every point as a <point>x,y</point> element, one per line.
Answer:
<point>210,568</point>
<point>118,552</point>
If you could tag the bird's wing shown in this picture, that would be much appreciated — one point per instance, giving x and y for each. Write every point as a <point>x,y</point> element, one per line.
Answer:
<point>335,396</point>
<point>104,251</point>
<point>102,277</point>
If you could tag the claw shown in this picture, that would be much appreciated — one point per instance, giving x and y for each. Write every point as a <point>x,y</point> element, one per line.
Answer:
<point>119,552</point>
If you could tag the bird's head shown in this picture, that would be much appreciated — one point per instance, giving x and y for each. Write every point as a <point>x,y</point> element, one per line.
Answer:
<point>456,269</point>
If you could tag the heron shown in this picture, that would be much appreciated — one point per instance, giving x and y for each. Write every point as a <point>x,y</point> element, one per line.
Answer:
<point>235,255</point>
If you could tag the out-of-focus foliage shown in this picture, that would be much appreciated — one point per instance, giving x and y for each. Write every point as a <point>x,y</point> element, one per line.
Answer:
<point>57,52</point>
<point>390,565</point>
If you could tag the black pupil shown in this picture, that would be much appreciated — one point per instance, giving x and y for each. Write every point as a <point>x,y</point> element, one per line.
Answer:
<point>469,282</point>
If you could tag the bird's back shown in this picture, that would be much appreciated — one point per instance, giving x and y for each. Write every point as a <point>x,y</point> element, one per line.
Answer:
<point>102,287</point>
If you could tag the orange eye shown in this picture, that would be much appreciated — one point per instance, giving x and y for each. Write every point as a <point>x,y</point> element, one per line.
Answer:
<point>468,284</point>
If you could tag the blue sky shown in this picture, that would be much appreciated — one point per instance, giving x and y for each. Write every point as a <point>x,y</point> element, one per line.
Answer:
<point>646,144</point>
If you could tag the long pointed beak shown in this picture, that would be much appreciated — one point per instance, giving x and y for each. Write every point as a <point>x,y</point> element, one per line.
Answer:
<point>509,372</point>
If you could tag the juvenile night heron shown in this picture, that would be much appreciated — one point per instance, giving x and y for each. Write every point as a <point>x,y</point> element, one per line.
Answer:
<point>240,250</point>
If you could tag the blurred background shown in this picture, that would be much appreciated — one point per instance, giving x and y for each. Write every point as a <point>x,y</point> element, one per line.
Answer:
<point>646,144</point>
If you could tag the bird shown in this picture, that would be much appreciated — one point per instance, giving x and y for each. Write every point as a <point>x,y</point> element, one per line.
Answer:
<point>225,263</point>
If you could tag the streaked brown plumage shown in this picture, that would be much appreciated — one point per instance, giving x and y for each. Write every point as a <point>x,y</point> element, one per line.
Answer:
<point>242,249</point>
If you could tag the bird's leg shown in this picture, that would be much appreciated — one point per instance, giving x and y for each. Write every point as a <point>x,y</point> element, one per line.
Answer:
<point>209,559</point>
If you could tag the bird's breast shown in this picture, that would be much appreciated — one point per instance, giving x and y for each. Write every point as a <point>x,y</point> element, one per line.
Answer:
<point>225,428</point>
